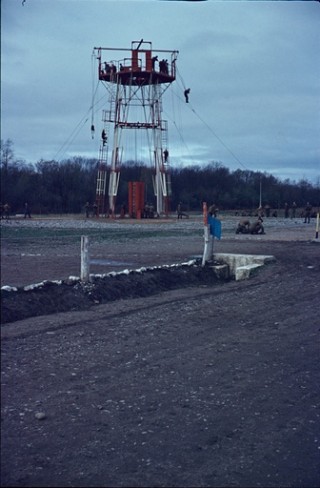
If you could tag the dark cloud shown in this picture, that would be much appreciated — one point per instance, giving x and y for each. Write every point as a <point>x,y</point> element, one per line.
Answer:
<point>253,69</point>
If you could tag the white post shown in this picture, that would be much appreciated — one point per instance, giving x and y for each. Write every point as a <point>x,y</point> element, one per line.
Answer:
<point>85,262</point>
<point>208,250</point>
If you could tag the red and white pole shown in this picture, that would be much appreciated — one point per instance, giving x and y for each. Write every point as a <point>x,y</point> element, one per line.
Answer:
<point>206,233</point>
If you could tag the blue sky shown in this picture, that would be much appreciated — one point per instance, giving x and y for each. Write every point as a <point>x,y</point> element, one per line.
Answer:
<point>253,69</point>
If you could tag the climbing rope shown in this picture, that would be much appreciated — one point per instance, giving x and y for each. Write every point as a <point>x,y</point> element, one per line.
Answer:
<point>190,106</point>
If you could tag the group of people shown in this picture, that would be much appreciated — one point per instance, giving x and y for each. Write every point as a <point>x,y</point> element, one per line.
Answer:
<point>306,213</point>
<point>289,211</point>
<point>110,68</point>
<point>245,227</point>
<point>5,210</point>
<point>164,66</point>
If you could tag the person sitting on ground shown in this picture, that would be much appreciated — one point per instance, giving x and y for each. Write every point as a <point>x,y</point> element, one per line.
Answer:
<point>243,227</point>
<point>257,227</point>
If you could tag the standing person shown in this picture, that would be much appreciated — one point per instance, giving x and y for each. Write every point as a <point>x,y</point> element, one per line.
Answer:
<point>95,209</point>
<point>6,211</point>
<point>267,209</point>
<point>307,213</point>
<point>123,211</point>
<point>87,209</point>
<point>154,59</point>
<point>286,210</point>
<point>293,210</point>
<point>27,212</point>
<point>186,94</point>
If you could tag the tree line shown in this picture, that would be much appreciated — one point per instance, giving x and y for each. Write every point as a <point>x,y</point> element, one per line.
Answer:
<point>65,186</point>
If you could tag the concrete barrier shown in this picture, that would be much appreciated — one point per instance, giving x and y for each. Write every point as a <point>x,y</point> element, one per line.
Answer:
<point>241,266</point>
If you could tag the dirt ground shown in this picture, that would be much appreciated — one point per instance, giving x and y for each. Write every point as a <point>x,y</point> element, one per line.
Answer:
<point>212,384</point>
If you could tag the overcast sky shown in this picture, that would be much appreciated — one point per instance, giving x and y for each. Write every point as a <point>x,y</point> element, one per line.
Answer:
<point>253,69</point>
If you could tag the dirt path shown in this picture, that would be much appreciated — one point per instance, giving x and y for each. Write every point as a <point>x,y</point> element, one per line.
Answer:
<point>204,386</point>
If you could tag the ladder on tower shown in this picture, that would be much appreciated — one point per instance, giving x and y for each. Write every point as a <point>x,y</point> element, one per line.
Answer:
<point>102,178</point>
<point>166,166</point>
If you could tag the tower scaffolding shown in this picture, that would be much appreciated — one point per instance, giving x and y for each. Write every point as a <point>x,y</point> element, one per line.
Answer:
<point>138,81</point>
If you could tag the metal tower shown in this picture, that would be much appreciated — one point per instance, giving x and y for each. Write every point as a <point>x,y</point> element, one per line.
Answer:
<point>135,83</point>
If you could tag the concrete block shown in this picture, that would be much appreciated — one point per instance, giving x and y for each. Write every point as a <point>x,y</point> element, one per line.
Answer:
<point>221,271</point>
<point>236,261</point>
<point>244,272</point>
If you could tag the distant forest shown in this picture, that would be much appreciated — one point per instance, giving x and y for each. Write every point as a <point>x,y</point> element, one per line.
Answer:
<point>64,187</point>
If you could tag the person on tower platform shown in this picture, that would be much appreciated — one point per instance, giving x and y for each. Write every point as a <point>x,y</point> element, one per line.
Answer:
<point>186,94</point>
<point>163,65</point>
<point>154,59</point>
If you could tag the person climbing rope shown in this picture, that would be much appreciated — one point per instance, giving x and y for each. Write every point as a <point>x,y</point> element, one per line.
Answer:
<point>186,94</point>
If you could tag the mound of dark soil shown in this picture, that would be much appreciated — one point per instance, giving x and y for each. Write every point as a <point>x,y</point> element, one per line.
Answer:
<point>51,297</point>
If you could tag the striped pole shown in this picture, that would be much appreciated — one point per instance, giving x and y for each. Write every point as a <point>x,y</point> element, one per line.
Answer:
<point>206,233</point>
<point>205,213</point>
